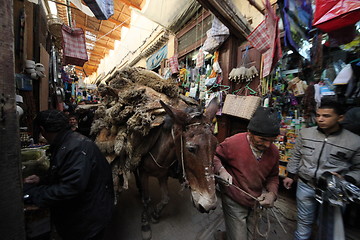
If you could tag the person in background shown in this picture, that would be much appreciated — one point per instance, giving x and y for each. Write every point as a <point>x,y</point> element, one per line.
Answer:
<point>78,187</point>
<point>249,161</point>
<point>351,120</point>
<point>325,148</point>
<point>73,122</point>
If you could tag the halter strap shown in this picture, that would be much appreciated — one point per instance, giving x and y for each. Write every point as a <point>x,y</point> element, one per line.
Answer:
<point>181,152</point>
<point>160,166</point>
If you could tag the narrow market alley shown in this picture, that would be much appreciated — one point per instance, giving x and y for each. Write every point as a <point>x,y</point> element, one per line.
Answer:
<point>233,92</point>
<point>180,220</point>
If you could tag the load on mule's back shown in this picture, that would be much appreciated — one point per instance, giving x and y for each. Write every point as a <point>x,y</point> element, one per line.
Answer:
<point>131,131</point>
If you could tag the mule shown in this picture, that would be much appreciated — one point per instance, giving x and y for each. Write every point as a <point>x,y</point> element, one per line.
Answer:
<point>185,147</point>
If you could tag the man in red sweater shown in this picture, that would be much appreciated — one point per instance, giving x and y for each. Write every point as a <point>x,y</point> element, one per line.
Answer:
<point>250,161</point>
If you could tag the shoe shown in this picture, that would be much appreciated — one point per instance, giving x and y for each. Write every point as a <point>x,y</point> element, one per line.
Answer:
<point>220,235</point>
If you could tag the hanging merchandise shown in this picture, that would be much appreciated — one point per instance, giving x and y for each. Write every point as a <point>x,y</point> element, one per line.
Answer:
<point>74,47</point>
<point>210,81</point>
<point>266,39</point>
<point>102,9</point>
<point>297,17</point>
<point>154,60</point>
<point>241,106</point>
<point>344,76</point>
<point>297,87</point>
<point>243,73</point>
<point>332,15</point>
<point>174,64</point>
<point>200,59</point>
<point>216,35</point>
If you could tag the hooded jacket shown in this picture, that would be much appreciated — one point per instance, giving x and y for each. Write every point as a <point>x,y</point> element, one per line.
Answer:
<point>315,153</point>
<point>78,188</point>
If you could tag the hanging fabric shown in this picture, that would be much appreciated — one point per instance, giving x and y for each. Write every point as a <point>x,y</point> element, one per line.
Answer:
<point>102,9</point>
<point>216,35</point>
<point>297,19</point>
<point>200,59</point>
<point>266,39</point>
<point>74,47</point>
<point>174,64</point>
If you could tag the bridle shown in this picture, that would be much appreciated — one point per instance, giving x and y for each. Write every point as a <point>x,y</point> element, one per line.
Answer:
<point>182,150</point>
<point>207,175</point>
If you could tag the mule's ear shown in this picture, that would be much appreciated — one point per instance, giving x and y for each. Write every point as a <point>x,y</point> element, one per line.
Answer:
<point>178,116</point>
<point>211,109</point>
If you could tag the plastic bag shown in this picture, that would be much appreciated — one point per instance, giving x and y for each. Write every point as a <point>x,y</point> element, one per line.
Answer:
<point>331,15</point>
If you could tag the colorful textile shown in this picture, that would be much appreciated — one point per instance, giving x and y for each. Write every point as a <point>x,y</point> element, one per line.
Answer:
<point>259,38</point>
<point>215,36</point>
<point>154,60</point>
<point>174,64</point>
<point>74,47</point>
<point>266,39</point>
<point>200,59</point>
<point>297,17</point>
<point>102,9</point>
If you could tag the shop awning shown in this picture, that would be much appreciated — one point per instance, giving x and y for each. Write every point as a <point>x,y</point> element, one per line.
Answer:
<point>155,60</point>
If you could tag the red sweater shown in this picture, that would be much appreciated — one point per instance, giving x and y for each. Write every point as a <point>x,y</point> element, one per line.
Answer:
<point>248,173</point>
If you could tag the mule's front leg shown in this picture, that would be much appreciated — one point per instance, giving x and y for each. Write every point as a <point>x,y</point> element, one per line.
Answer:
<point>145,216</point>
<point>164,199</point>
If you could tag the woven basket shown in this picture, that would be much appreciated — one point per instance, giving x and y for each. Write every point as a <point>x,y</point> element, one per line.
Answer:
<point>54,25</point>
<point>241,106</point>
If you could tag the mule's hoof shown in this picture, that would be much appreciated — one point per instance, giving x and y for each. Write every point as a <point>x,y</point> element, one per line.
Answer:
<point>155,218</point>
<point>146,230</point>
<point>146,235</point>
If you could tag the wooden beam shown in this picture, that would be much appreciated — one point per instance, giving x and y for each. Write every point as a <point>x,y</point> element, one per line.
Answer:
<point>102,53</point>
<point>93,63</point>
<point>123,24</point>
<point>99,44</point>
<point>96,54</point>
<point>116,35</point>
<point>129,3</point>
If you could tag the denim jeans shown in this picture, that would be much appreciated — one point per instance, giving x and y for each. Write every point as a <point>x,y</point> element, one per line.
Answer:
<point>307,208</point>
<point>236,219</point>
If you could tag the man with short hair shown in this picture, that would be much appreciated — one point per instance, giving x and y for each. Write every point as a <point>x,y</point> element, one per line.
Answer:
<point>73,122</point>
<point>325,148</point>
<point>78,188</point>
<point>249,161</point>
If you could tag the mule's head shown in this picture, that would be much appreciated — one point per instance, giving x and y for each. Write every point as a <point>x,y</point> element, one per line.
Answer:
<point>196,146</point>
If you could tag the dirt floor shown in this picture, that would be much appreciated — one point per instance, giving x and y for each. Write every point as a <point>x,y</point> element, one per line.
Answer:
<point>180,220</point>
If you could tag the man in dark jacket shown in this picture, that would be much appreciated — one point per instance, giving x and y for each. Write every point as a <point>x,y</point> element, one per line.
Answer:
<point>78,188</point>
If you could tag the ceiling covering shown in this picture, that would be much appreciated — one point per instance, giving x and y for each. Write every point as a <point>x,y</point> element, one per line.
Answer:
<point>100,34</point>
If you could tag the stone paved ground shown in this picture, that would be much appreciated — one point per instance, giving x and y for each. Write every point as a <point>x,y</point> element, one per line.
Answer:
<point>180,220</point>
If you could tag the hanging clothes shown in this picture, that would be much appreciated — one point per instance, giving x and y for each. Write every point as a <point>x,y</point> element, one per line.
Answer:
<point>102,9</point>
<point>74,47</point>
<point>266,39</point>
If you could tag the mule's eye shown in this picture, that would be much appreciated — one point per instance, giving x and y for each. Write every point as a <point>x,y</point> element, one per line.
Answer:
<point>192,149</point>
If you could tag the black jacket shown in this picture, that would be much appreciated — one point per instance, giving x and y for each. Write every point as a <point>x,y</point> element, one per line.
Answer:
<point>78,188</point>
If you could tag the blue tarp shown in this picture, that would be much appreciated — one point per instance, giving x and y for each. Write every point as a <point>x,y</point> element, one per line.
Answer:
<point>155,60</point>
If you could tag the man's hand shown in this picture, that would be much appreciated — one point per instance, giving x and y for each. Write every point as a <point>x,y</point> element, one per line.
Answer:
<point>267,199</point>
<point>225,175</point>
<point>288,182</point>
<point>32,179</point>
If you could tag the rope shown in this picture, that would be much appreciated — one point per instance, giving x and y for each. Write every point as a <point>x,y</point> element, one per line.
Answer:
<point>257,211</point>
<point>181,153</point>
<point>158,163</point>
